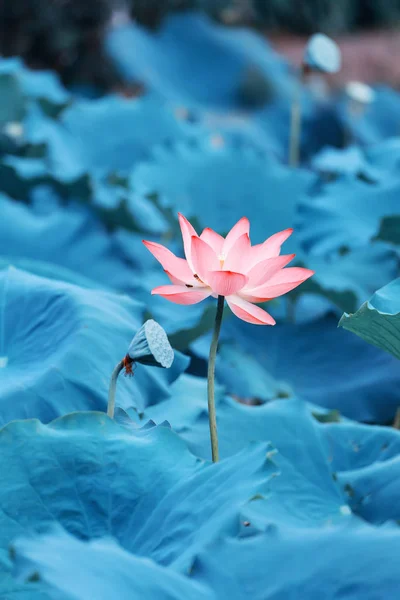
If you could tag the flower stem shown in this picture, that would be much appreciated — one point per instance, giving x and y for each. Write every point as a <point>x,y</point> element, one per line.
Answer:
<point>113,387</point>
<point>295,126</point>
<point>210,380</point>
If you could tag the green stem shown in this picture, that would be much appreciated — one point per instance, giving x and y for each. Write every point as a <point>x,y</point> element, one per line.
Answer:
<point>210,380</point>
<point>295,127</point>
<point>113,387</point>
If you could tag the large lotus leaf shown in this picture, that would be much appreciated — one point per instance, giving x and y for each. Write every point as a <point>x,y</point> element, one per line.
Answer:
<point>345,214</point>
<point>220,183</point>
<point>46,87</point>
<point>12,106</point>
<point>386,155</point>
<point>69,238</point>
<point>378,122</point>
<point>62,166</point>
<point>119,206</point>
<point>112,133</point>
<point>378,320</point>
<point>234,68</point>
<point>47,270</point>
<point>286,423</point>
<point>73,245</point>
<point>364,459</point>
<point>100,569</point>
<point>366,462</point>
<point>283,562</point>
<point>96,478</point>
<point>20,175</point>
<point>348,161</point>
<point>322,364</point>
<point>59,345</point>
<point>321,127</point>
<point>93,477</point>
<point>243,376</point>
<point>62,161</point>
<point>266,129</point>
<point>347,279</point>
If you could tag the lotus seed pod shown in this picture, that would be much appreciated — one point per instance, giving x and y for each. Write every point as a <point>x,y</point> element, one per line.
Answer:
<point>360,92</point>
<point>151,346</point>
<point>322,54</point>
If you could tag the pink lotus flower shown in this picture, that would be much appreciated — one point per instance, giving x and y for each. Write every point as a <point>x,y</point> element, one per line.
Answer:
<point>230,267</point>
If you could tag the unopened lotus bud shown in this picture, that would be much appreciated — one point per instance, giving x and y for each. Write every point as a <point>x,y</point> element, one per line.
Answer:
<point>151,346</point>
<point>322,54</point>
<point>359,95</point>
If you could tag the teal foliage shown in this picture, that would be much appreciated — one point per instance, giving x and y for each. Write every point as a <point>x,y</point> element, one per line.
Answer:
<point>100,568</point>
<point>343,372</point>
<point>91,507</point>
<point>169,511</point>
<point>59,345</point>
<point>213,180</point>
<point>234,68</point>
<point>377,321</point>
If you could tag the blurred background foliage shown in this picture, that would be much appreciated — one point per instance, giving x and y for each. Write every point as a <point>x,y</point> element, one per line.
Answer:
<point>67,35</point>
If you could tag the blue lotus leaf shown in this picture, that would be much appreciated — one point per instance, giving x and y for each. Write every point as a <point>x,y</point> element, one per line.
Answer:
<point>347,279</point>
<point>377,122</point>
<point>94,478</point>
<point>331,562</point>
<point>304,307</point>
<point>19,176</point>
<point>265,130</point>
<point>59,345</point>
<point>324,365</point>
<point>100,569</point>
<point>47,270</point>
<point>63,168</point>
<point>347,161</point>
<point>244,377</point>
<point>33,85</point>
<point>12,106</point>
<point>233,67</point>
<point>68,238</point>
<point>61,159</point>
<point>385,155</point>
<point>112,134</point>
<point>365,460</point>
<point>219,184</point>
<point>46,87</point>
<point>119,206</point>
<point>362,458</point>
<point>345,214</point>
<point>378,320</point>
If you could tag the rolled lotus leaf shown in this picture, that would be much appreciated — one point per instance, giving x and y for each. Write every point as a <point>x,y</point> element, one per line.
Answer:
<point>322,54</point>
<point>151,346</point>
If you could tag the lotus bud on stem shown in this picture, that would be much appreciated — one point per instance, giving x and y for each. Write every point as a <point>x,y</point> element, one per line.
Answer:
<point>151,347</point>
<point>322,55</point>
<point>359,96</point>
